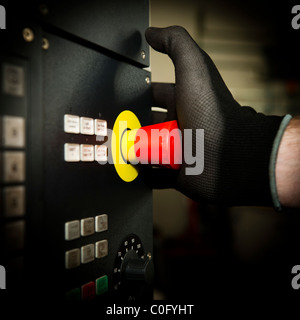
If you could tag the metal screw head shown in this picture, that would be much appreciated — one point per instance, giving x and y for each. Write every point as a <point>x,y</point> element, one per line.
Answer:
<point>45,44</point>
<point>28,35</point>
<point>143,54</point>
<point>147,79</point>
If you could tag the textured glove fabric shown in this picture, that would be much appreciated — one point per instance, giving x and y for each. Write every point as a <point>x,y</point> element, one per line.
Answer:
<point>237,140</point>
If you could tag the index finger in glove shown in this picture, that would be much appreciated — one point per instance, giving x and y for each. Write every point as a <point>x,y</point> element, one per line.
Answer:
<point>180,47</point>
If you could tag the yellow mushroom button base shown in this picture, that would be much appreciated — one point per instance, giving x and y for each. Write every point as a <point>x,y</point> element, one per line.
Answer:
<point>122,145</point>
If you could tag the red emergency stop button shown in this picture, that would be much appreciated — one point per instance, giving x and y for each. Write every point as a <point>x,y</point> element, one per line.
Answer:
<point>158,144</point>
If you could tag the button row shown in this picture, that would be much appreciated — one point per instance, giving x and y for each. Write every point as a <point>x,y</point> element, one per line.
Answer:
<point>89,290</point>
<point>12,170</point>
<point>85,152</point>
<point>83,125</point>
<point>86,254</point>
<point>85,227</point>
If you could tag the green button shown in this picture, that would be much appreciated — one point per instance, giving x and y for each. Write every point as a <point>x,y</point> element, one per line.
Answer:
<point>73,294</point>
<point>101,285</point>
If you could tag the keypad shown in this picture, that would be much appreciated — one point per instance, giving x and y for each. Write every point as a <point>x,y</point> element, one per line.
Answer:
<point>92,229</point>
<point>75,152</point>
<point>91,252</point>
<point>84,125</point>
<point>89,290</point>
<point>13,178</point>
<point>84,228</point>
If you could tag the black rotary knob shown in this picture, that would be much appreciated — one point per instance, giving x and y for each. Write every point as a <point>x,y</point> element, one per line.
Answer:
<point>137,273</point>
<point>133,270</point>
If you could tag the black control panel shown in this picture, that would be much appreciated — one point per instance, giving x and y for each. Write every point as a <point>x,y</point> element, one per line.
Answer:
<point>71,228</point>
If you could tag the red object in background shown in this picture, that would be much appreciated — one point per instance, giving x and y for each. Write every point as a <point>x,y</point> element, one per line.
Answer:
<point>160,144</point>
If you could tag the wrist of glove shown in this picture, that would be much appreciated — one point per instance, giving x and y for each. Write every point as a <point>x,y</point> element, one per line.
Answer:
<point>238,141</point>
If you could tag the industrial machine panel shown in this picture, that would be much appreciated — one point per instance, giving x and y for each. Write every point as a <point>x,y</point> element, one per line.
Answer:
<point>114,25</point>
<point>69,222</point>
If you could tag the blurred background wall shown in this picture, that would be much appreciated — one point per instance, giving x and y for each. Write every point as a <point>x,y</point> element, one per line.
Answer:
<point>211,249</point>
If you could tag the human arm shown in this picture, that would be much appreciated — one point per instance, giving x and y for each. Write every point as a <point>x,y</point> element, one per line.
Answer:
<point>287,170</point>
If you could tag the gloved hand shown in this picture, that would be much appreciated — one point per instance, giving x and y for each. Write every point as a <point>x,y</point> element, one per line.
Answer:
<point>238,141</point>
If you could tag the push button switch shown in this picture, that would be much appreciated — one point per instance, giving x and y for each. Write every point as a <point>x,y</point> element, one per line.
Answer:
<point>88,291</point>
<point>87,253</point>
<point>100,127</point>
<point>101,249</point>
<point>14,234</point>
<point>72,230</point>
<point>101,223</point>
<point>86,126</point>
<point>73,294</point>
<point>101,153</point>
<point>13,166</point>
<point>101,285</point>
<point>72,258</point>
<point>72,152</point>
<point>71,123</point>
<point>14,201</point>
<point>13,131</point>
<point>87,226</point>
<point>86,152</point>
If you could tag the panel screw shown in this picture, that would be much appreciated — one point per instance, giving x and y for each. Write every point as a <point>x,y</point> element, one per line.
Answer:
<point>28,35</point>
<point>143,54</point>
<point>147,79</point>
<point>45,44</point>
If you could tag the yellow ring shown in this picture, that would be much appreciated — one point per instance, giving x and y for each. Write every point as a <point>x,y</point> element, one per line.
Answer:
<point>125,120</point>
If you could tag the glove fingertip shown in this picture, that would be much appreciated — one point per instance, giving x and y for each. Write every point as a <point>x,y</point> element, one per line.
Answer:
<point>152,37</point>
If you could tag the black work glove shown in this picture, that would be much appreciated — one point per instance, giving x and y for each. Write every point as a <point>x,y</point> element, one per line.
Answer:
<point>237,140</point>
